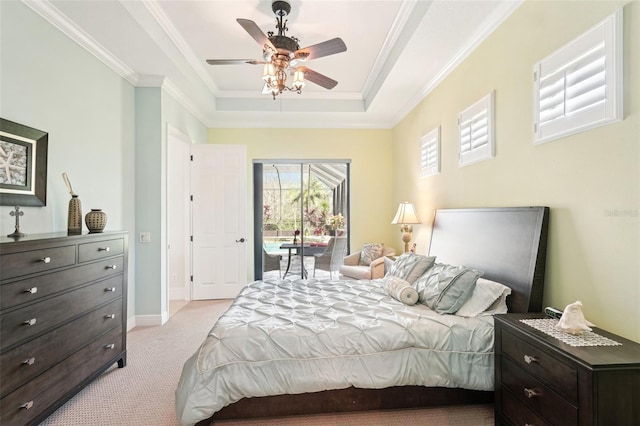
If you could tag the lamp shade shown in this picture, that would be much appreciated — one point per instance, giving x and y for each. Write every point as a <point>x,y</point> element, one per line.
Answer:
<point>405,215</point>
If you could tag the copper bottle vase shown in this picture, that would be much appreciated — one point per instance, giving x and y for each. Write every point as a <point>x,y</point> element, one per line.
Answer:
<point>74,222</point>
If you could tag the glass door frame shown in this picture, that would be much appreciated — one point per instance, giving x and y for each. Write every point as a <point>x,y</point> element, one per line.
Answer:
<point>258,203</point>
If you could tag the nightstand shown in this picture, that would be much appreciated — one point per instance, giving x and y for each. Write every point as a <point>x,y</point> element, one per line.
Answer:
<point>540,380</point>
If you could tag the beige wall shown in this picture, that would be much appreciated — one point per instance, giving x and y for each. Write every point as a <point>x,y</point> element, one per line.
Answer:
<point>590,180</point>
<point>370,153</point>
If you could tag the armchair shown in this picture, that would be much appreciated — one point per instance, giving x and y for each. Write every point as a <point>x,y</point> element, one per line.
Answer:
<point>352,268</point>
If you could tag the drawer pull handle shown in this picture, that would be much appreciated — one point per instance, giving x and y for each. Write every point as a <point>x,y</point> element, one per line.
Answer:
<point>111,289</point>
<point>531,393</point>
<point>32,290</point>
<point>109,346</point>
<point>111,266</point>
<point>29,361</point>
<point>529,359</point>
<point>46,259</point>
<point>31,321</point>
<point>110,316</point>
<point>104,248</point>
<point>27,405</point>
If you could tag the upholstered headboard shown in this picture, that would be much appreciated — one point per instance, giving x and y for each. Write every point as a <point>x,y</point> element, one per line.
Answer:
<point>508,244</point>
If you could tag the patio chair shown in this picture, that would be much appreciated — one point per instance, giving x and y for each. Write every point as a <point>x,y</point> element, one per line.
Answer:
<point>271,262</point>
<point>331,258</point>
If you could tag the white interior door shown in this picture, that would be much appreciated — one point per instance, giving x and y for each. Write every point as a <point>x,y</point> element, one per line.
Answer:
<point>219,249</point>
<point>178,215</point>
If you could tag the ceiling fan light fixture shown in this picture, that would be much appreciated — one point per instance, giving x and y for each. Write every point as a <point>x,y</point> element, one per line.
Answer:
<point>268,72</point>
<point>298,80</point>
<point>281,53</point>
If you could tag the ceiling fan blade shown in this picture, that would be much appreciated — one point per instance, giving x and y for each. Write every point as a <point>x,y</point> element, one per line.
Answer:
<point>317,78</point>
<point>234,61</point>
<point>256,33</point>
<point>326,48</point>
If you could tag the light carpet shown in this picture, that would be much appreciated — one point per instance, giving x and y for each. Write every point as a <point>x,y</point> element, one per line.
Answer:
<point>143,392</point>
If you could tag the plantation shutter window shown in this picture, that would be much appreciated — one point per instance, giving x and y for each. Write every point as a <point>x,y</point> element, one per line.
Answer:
<point>430,153</point>
<point>475,125</point>
<point>579,87</point>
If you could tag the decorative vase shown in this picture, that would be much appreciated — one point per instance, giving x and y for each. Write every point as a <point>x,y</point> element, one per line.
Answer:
<point>74,221</point>
<point>96,220</point>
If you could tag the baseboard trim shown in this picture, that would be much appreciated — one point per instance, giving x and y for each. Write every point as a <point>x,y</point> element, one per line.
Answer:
<point>151,320</point>
<point>131,323</point>
<point>177,293</point>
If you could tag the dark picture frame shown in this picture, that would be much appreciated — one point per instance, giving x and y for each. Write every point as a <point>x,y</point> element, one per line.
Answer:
<point>23,165</point>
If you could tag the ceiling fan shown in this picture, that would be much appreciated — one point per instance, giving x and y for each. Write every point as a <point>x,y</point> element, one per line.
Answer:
<point>282,54</point>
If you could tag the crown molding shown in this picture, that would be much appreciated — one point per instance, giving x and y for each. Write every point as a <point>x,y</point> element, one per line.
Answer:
<point>174,36</point>
<point>56,18</point>
<point>496,19</point>
<point>404,25</point>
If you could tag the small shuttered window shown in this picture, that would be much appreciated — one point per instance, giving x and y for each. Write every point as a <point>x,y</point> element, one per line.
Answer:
<point>430,153</point>
<point>579,87</point>
<point>475,126</point>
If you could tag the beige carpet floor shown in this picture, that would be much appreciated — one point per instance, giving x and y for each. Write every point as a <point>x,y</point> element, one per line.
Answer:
<point>142,393</point>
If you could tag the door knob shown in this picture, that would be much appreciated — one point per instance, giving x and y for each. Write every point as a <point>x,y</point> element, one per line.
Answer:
<point>241,240</point>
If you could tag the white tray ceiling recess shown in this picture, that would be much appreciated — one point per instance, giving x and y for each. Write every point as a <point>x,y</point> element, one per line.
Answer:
<point>397,51</point>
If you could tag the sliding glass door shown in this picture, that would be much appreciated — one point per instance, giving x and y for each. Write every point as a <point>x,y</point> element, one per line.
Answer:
<point>298,207</point>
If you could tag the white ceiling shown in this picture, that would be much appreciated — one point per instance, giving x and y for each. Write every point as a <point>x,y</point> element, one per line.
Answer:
<point>397,51</point>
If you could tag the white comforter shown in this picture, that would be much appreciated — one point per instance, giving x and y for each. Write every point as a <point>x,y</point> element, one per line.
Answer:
<point>282,336</point>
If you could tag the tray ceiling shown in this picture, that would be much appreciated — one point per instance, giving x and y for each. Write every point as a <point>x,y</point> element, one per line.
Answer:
<point>397,51</point>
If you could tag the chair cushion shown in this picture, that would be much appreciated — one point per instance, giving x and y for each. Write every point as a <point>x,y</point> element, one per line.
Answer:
<point>370,252</point>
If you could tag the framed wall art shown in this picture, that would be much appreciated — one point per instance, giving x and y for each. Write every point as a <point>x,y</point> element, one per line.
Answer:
<point>23,165</point>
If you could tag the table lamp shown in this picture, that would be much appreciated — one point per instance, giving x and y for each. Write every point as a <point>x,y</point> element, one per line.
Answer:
<point>406,216</point>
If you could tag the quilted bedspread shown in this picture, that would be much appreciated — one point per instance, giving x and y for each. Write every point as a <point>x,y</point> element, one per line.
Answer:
<point>295,336</point>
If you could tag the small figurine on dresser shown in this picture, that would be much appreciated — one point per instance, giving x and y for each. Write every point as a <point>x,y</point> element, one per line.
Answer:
<point>573,320</point>
<point>17,213</point>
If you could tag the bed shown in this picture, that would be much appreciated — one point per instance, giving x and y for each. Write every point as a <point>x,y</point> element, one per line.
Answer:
<point>289,347</point>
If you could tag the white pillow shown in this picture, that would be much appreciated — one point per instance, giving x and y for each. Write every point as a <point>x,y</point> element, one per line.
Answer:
<point>400,290</point>
<point>488,298</point>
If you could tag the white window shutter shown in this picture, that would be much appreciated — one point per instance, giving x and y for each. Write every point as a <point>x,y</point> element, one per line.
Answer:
<point>579,86</point>
<point>430,153</point>
<point>475,126</point>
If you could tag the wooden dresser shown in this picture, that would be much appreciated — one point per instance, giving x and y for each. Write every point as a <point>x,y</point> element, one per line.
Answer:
<point>542,381</point>
<point>63,312</point>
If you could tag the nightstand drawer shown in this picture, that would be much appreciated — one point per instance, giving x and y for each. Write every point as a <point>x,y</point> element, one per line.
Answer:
<point>517,412</point>
<point>557,375</point>
<point>538,397</point>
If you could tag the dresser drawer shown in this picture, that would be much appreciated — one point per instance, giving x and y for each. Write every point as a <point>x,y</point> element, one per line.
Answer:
<point>518,413</point>
<point>556,374</point>
<point>29,262</point>
<point>36,288</point>
<point>100,249</point>
<point>55,383</point>
<point>36,356</point>
<point>22,324</point>
<point>537,396</point>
